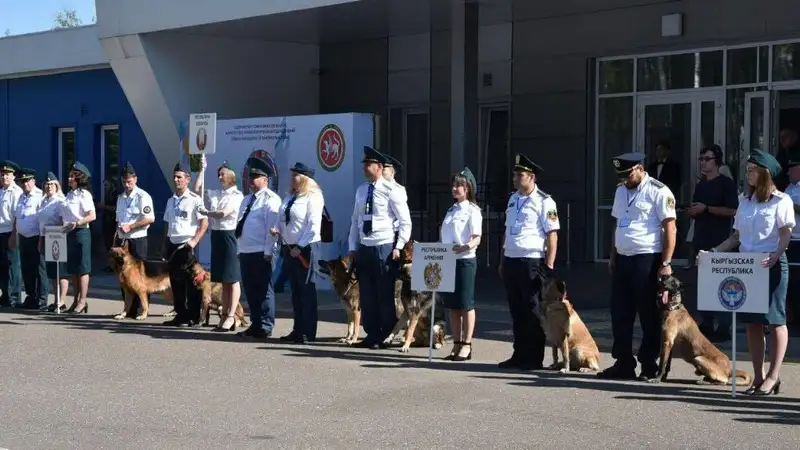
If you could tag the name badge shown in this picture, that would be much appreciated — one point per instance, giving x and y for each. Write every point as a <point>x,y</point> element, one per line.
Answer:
<point>624,223</point>
<point>366,217</point>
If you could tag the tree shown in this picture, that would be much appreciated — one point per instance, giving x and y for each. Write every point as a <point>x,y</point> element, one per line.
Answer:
<point>7,33</point>
<point>67,18</point>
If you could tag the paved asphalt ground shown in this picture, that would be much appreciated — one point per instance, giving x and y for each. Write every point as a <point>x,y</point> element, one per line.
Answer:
<point>89,382</point>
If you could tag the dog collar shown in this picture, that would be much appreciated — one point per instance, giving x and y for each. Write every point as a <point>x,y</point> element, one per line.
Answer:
<point>674,307</point>
<point>199,278</point>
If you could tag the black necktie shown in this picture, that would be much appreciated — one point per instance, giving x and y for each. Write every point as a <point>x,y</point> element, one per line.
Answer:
<point>240,225</point>
<point>367,227</point>
<point>288,211</point>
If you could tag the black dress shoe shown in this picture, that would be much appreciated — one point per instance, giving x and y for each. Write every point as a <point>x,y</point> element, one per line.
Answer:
<point>527,365</point>
<point>617,372</point>
<point>300,339</point>
<point>291,337</point>
<point>510,363</point>
<point>366,343</point>
<point>173,322</point>
<point>255,333</point>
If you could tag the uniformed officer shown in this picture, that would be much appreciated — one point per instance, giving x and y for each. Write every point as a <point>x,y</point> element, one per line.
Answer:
<point>26,237</point>
<point>78,211</point>
<point>134,214</point>
<point>531,240</point>
<point>50,215</point>
<point>644,240</point>
<point>793,251</point>
<point>257,215</point>
<point>378,203</point>
<point>186,225</point>
<point>10,274</point>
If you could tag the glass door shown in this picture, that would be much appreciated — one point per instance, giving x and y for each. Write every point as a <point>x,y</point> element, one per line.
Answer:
<point>494,184</point>
<point>676,127</point>
<point>756,133</point>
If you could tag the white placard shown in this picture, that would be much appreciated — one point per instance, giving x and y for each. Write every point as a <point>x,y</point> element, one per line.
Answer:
<point>55,244</point>
<point>433,268</point>
<point>733,282</point>
<point>203,133</point>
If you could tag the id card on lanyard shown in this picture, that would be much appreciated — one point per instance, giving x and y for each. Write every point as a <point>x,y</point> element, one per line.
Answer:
<point>625,222</point>
<point>516,228</point>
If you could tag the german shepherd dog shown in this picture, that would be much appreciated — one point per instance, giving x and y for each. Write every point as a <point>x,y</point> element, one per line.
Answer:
<point>346,286</point>
<point>564,329</point>
<point>140,278</point>
<point>681,337</point>
<point>413,309</point>
<point>212,294</point>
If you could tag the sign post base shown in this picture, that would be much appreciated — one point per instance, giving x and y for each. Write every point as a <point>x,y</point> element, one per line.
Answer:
<point>733,354</point>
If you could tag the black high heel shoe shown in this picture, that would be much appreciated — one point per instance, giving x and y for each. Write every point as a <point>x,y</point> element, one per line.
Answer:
<point>84,310</point>
<point>775,390</point>
<point>464,358</point>
<point>221,329</point>
<point>456,348</point>
<point>753,387</point>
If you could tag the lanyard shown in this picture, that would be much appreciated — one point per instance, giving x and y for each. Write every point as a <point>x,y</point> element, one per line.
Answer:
<point>176,207</point>
<point>519,207</point>
<point>638,191</point>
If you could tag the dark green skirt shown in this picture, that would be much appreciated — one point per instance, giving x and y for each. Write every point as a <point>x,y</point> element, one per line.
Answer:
<point>62,270</point>
<point>463,299</point>
<point>224,257</point>
<point>778,286</point>
<point>79,251</point>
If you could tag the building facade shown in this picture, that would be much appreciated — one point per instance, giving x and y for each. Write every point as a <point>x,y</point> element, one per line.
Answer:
<point>569,84</point>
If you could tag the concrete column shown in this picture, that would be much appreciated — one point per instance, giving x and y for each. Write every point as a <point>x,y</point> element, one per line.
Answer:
<point>463,83</point>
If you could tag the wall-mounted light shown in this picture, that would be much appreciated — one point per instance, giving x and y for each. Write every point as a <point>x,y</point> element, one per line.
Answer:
<point>672,25</point>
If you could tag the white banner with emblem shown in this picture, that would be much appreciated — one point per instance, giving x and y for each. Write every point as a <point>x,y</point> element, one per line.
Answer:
<point>55,244</point>
<point>331,144</point>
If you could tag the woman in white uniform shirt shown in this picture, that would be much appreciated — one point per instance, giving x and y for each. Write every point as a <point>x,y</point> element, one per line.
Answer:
<point>462,227</point>
<point>77,213</point>
<point>763,224</point>
<point>299,223</point>
<point>223,212</point>
<point>50,215</point>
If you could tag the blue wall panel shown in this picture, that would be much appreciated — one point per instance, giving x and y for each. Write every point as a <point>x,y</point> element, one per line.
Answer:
<point>32,109</point>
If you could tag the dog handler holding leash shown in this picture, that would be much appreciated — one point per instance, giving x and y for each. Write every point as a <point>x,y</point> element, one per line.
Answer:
<point>643,243</point>
<point>763,224</point>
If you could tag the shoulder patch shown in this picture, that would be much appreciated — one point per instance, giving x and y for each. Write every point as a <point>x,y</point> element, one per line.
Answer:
<point>552,215</point>
<point>147,210</point>
<point>670,203</point>
<point>657,183</point>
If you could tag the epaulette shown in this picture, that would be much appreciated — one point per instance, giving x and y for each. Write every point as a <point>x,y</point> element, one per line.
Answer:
<point>193,194</point>
<point>657,183</point>
<point>542,193</point>
<point>779,194</point>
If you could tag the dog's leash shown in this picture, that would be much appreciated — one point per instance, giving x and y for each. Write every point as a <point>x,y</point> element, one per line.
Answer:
<point>302,259</point>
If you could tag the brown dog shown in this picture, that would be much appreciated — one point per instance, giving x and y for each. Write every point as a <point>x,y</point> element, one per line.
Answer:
<point>139,278</point>
<point>212,294</point>
<point>681,337</point>
<point>566,331</point>
<point>346,287</point>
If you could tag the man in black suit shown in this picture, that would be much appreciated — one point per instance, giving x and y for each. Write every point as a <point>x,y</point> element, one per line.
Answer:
<point>665,169</point>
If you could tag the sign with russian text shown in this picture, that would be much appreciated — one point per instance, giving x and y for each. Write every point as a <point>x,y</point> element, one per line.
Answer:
<point>55,244</point>
<point>733,282</point>
<point>203,134</point>
<point>433,267</point>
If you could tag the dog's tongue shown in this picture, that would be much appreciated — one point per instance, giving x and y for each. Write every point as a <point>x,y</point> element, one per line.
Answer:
<point>665,297</point>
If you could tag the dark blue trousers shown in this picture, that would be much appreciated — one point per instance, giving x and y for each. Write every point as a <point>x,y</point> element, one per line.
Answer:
<point>634,285</point>
<point>522,288</point>
<point>304,294</point>
<point>10,273</point>
<point>34,271</point>
<point>376,273</point>
<point>258,290</point>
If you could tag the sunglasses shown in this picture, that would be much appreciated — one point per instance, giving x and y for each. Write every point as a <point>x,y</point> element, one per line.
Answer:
<point>705,158</point>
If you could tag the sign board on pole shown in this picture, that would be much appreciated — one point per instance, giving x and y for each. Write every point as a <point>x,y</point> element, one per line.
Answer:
<point>202,133</point>
<point>434,268</point>
<point>733,282</point>
<point>55,244</point>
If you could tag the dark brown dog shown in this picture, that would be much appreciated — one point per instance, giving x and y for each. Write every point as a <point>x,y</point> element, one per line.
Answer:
<point>139,278</point>
<point>681,337</point>
<point>212,294</point>
<point>346,287</point>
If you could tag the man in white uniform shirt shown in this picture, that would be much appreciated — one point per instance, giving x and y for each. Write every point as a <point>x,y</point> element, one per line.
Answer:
<point>134,215</point>
<point>643,243</point>
<point>257,215</point>
<point>793,251</point>
<point>530,242</point>
<point>186,225</point>
<point>26,238</point>
<point>10,274</point>
<point>373,247</point>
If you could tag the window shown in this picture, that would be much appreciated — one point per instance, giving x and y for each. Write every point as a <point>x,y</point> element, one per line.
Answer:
<point>684,71</point>
<point>66,152</point>
<point>494,182</point>
<point>616,77</point>
<point>416,145</point>
<point>109,156</point>
<point>748,65</point>
<point>615,137</point>
<point>786,62</point>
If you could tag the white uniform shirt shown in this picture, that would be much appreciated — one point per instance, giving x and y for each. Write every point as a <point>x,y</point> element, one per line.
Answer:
<point>404,197</point>
<point>640,213</point>
<point>27,213</point>
<point>529,218</point>
<point>183,216</point>
<point>793,191</point>
<point>305,219</point>
<point>130,209</point>
<point>50,211</point>
<point>256,237</point>
<point>220,200</point>
<point>76,206</point>
<point>9,198</point>
<point>389,205</point>
<point>758,223</point>
<point>462,221</point>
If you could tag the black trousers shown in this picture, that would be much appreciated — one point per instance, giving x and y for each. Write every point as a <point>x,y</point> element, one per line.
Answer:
<point>34,271</point>
<point>10,274</point>
<point>138,249</point>
<point>634,285</point>
<point>523,287</point>
<point>304,294</point>
<point>187,296</point>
